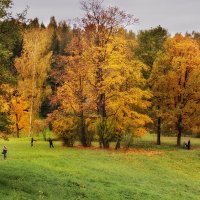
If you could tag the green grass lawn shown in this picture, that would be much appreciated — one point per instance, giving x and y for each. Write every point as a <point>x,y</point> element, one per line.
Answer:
<point>76,173</point>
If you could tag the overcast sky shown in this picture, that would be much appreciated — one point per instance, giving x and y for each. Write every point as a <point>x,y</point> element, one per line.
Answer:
<point>175,15</point>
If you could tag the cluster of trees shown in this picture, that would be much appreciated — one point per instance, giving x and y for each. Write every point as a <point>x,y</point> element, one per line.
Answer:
<point>97,81</point>
<point>10,48</point>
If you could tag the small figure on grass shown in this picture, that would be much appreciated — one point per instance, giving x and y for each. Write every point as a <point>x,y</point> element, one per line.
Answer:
<point>187,145</point>
<point>32,140</point>
<point>50,143</point>
<point>184,145</point>
<point>4,152</point>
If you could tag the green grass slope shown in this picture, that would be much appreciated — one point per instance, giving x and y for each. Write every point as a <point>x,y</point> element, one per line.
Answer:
<point>76,173</point>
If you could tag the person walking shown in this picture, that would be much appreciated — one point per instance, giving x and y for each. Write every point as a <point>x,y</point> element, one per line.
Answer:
<point>4,152</point>
<point>32,140</point>
<point>51,143</point>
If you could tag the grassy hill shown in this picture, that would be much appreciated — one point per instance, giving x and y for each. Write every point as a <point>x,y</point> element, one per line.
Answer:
<point>76,173</point>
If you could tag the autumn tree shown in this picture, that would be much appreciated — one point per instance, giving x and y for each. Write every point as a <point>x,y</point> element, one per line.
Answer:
<point>74,90</point>
<point>61,37</point>
<point>10,47</point>
<point>5,121</point>
<point>195,35</point>
<point>100,25</point>
<point>101,83</point>
<point>180,65</point>
<point>19,114</point>
<point>124,86</point>
<point>32,68</point>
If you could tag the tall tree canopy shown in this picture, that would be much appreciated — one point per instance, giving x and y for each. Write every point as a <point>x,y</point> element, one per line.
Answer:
<point>176,73</point>
<point>32,68</point>
<point>102,86</point>
<point>150,42</point>
<point>100,25</point>
<point>10,47</point>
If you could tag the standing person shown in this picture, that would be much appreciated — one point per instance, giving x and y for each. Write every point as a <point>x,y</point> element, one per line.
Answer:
<point>51,143</point>
<point>188,145</point>
<point>184,145</point>
<point>32,140</point>
<point>4,152</point>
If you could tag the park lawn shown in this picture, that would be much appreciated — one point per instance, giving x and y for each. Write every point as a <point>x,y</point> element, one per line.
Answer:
<point>76,173</point>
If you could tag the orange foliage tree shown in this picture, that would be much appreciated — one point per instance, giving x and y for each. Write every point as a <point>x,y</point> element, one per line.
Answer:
<point>177,81</point>
<point>19,115</point>
<point>73,93</point>
<point>124,88</point>
<point>101,26</point>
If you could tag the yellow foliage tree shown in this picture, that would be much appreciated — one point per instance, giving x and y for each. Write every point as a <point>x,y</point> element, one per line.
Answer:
<point>124,88</point>
<point>5,122</point>
<point>111,63</point>
<point>177,72</point>
<point>19,115</point>
<point>122,85</point>
<point>32,68</point>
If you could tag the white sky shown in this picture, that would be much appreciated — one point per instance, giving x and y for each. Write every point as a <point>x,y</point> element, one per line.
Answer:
<point>175,15</point>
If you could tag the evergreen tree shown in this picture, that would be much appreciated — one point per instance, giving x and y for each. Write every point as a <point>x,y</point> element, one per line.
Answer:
<point>34,23</point>
<point>150,42</point>
<point>52,24</point>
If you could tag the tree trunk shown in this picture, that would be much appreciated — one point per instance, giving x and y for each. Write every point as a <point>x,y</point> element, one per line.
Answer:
<point>117,146</point>
<point>31,118</point>
<point>17,126</point>
<point>33,86</point>
<point>83,132</point>
<point>100,144</point>
<point>179,137</point>
<point>158,131</point>
<point>68,142</point>
<point>179,128</point>
<point>83,137</point>
<point>106,144</point>
<point>101,104</point>
<point>101,107</point>
<point>101,110</point>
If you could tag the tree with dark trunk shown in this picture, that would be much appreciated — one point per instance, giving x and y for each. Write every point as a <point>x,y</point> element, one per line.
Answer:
<point>100,25</point>
<point>179,128</point>
<point>176,77</point>
<point>159,131</point>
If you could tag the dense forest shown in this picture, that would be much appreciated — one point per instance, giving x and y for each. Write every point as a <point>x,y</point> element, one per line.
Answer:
<point>96,80</point>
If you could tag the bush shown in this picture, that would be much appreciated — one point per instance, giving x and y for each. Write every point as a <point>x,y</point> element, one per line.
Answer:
<point>105,130</point>
<point>127,140</point>
<point>65,128</point>
<point>68,139</point>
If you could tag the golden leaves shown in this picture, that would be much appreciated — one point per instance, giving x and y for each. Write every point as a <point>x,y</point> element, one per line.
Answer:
<point>176,80</point>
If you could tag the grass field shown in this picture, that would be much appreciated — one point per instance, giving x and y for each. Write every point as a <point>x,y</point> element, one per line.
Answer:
<point>155,173</point>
